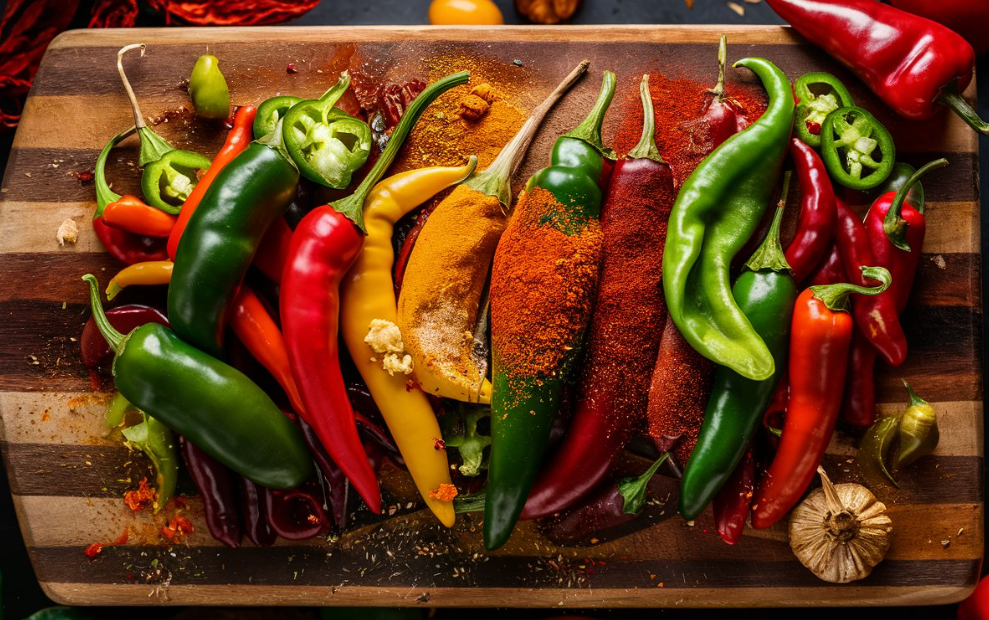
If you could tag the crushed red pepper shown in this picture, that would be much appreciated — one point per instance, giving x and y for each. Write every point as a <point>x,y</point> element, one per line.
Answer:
<point>177,527</point>
<point>140,498</point>
<point>444,493</point>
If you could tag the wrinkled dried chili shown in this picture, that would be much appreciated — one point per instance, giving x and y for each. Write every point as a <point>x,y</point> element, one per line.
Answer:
<point>233,12</point>
<point>113,14</point>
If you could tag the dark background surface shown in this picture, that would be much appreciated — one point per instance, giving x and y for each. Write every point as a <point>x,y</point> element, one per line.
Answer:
<point>20,592</point>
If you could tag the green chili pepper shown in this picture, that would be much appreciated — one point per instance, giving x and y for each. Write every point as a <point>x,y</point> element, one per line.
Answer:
<point>270,112</point>
<point>460,431</point>
<point>211,404</point>
<point>718,208</point>
<point>156,441</point>
<point>117,411</point>
<point>899,176</point>
<point>849,137</point>
<point>222,236</point>
<point>819,94</point>
<point>523,408</point>
<point>876,446</point>
<point>766,294</point>
<point>208,88</point>
<point>919,434</point>
<point>326,143</point>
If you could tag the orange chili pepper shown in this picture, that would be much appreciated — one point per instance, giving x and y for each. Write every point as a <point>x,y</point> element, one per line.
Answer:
<point>131,214</point>
<point>237,140</point>
<point>257,330</point>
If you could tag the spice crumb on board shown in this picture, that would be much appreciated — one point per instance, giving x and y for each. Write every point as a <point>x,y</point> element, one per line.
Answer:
<point>68,232</point>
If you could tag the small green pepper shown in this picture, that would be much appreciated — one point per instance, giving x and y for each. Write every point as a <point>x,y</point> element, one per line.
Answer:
<point>270,112</point>
<point>326,143</point>
<point>168,181</point>
<point>156,441</point>
<point>818,94</point>
<point>208,88</point>
<point>919,434</point>
<point>876,446</point>
<point>849,137</point>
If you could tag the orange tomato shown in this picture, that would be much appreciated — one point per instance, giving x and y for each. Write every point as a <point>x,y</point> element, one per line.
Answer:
<point>465,13</point>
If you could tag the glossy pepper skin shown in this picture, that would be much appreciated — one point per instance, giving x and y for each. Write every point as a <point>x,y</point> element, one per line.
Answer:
<point>717,210</point>
<point>814,106</point>
<point>521,417</point>
<point>217,487</point>
<point>966,17</point>
<point>609,408</point>
<point>731,504</point>
<point>324,247</point>
<point>849,139</point>
<point>270,112</point>
<point>208,402</point>
<point>220,240</point>
<point>911,63</point>
<point>131,214</point>
<point>818,217</point>
<point>765,292</point>
<point>722,117</point>
<point>208,88</point>
<point>819,339</point>
<point>144,274</point>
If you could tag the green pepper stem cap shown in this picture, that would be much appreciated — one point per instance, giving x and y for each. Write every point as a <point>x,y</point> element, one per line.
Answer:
<point>113,337</point>
<point>352,206</point>
<point>633,490</point>
<point>950,97</point>
<point>914,399</point>
<point>646,148</point>
<point>153,146</point>
<point>496,180</point>
<point>589,130</point>
<point>769,255</point>
<point>105,195</point>
<point>835,296</point>
<point>719,88</point>
<point>894,225</point>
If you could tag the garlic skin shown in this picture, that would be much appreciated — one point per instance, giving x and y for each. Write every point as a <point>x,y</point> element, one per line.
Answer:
<point>840,532</point>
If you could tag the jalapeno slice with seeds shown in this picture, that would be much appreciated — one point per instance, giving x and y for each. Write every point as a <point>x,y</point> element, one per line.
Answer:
<point>270,112</point>
<point>818,94</point>
<point>850,137</point>
<point>167,182</point>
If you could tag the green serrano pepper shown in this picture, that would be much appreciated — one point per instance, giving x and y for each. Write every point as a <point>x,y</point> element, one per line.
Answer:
<point>717,210</point>
<point>211,404</point>
<point>766,293</point>
<point>221,238</point>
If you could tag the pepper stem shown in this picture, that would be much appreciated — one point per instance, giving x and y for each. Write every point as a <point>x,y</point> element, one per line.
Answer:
<point>105,195</point>
<point>138,117</point>
<point>914,399</point>
<point>949,96</point>
<point>894,225</point>
<point>153,146</point>
<point>719,88</point>
<point>646,148</point>
<point>835,296</point>
<point>113,337</point>
<point>633,490</point>
<point>589,129</point>
<point>352,207</point>
<point>770,254</point>
<point>496,179</point>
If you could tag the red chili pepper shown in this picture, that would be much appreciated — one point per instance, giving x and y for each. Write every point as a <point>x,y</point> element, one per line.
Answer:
<point>238,138</point>
<point>731,504</point>
<point>858,406</point>
<point>257,528</point>
<point>132,215</point>
<point>127,247</point>
<point>831,270</point>
<point>624,334</point>
<point>722,117</point>
<point>876,316</point>
<point>95,349</point>
<point>324,246</point>
<point>295,514</point>
<point>818,212</point>
<point>976,606</point>
<point>820,335</point>
<point>273,252</point>
<point>217,487</point>
<point>968,18</point>
<point>911,63</point>
<point>402,259</point>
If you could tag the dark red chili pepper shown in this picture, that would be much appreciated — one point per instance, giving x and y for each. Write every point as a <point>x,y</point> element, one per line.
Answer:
<point>820,335</point>
<point>217,487</point>
<point>295,514</point>
<point>624,334</point>
<point>722,117</point>
<point>95,349</point>
<point>127,247</point>
<point>818,213</point>
<point>911,63</point>
<point>257,529</point>
<point>831,270</point>
<point>336,487</point>
<point>858,406</point>
<point>875,316</point>
<point>273,251</point>
<point>731,504</point>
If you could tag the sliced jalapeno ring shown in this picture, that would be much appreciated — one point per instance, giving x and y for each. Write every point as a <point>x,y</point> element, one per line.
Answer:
<point>167,183</point>
<point>850,137</point>
<point>270,112</point>
<point>818,95</point>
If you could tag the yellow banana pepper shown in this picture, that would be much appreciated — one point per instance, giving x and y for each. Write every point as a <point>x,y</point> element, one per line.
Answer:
<point>368,310</point>
<point>149,273</point>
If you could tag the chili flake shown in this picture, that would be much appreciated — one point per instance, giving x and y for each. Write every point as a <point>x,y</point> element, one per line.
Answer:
<point>443,493</point>
<point>141,497</point>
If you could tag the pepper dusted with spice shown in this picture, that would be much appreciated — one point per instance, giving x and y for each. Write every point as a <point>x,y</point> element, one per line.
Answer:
<point>623,337</point>
<point>543,280</point>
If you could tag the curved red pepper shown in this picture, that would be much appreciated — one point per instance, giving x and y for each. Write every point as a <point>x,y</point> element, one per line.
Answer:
<point>96,350</point>
<point>876,316</point>
<point>858,407</point>
<point>911,63</point>
<point>273,252</point>
<point>731,504</point>
<point>257,529</point>
<point>968,18</point>
<point>324,246</point>
<point>217,487</point>
<point>295,514</point>
<point>818,213</point>
<point>127,247</point>
<point>830,270</point>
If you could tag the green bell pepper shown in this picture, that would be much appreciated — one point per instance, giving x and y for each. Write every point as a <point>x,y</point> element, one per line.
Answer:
<point>818,94</point>
<point>849,137</point>
<point>211,404</point>
<point>523,407</point>
<point>270,112</point>
<point>326,143</point>
<point>208,88</point>
<point>765,293</point>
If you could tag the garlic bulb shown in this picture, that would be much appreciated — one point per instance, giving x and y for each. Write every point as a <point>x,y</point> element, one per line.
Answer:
<point>840,532</point>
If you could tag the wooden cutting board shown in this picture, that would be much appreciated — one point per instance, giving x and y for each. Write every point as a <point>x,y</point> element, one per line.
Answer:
<point>67,479</point>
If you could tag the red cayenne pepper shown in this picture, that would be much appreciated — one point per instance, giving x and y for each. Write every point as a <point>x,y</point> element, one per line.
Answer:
<point>830,271</point>
<point>731,504</point>
<point>623,337</point>
<point>818,213</point>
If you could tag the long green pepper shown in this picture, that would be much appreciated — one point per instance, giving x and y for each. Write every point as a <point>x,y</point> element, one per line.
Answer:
<point>717,210</point>
<point>522,408</point>
<point>766,293</point>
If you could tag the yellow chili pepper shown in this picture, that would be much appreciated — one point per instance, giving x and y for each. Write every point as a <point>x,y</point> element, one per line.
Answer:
<point>148,273</point>
<point>368,295</point>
